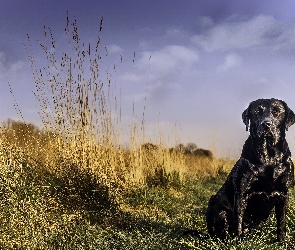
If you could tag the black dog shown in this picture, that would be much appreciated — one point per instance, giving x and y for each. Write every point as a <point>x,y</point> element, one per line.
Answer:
<point>260,179</point>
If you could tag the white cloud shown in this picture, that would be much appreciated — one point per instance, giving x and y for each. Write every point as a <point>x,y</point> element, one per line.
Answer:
<point>206,21</point>
<point>143,44</point>
<point>113,49</point>
<point>263,80</point>
<point>168,68</point>
<point>7,68</point>
<point>170,58</point>
<point>14,67</point>
<point>159,73</point>
<point>2,56</point>
<point>131,77</point>
<point>240,35</point>
<point>3,67</point>
<point>173,32</point>
<point>231,61</point>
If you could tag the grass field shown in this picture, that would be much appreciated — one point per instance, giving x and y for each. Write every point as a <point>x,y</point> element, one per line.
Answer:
<point>73,208</point>
<point>72,185</point>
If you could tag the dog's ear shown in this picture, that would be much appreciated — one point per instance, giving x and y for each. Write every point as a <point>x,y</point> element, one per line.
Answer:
<point>246,116</point>
<point>289,117</point>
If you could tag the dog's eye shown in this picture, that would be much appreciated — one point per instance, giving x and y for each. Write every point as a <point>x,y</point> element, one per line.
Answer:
<point>258,111</point>
<point>275,111</point>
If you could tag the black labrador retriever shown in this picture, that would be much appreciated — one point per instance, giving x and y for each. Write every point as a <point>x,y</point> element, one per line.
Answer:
<point>260,179</point>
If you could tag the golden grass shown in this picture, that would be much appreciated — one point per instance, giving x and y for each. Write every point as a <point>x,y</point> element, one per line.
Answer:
<point>80,109</point>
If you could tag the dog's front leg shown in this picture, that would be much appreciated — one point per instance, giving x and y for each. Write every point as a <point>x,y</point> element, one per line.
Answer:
<point>242,183</point>
<point>280,209</point>
<point>238,214</point>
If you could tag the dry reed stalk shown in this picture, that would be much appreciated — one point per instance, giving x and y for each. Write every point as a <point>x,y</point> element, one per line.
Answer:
<point>77,102</point>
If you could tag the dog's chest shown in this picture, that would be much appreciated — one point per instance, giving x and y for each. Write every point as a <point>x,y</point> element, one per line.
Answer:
<point>267,178</point>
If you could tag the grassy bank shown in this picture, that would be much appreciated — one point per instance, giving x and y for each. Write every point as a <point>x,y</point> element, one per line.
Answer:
<point>41,209</point>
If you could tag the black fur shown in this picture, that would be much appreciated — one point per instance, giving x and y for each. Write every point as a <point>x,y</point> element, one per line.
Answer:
<point>260,179</point>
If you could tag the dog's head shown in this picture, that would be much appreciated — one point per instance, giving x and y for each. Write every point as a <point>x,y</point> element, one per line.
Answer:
<point>269,118</point>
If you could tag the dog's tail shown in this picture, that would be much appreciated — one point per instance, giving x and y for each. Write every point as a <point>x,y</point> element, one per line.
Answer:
<point>196,233</point>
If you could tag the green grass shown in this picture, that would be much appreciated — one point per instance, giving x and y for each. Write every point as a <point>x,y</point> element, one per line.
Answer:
<point>35,215</point>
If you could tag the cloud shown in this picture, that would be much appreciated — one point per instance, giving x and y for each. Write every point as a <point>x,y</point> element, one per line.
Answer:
<point>231,61</point>
<point>159,74</point>
<point>174,32</point>
<point>7,68</point>
<point>168,67</point>
<point>170,63</point>
<point>113,49</point>
<point>170,58</point>
<point>229,35</point>
<point>206,21</point>
<point>143,44</point>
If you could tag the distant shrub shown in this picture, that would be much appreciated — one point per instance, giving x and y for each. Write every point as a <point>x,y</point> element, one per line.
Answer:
<point>199,152</point>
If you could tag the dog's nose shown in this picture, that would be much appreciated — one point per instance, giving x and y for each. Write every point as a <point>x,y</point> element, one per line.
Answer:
<point>266,122</point>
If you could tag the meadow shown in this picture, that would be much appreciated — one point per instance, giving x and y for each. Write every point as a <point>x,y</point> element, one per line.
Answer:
<point>49,200</point>
<point>72,184</point>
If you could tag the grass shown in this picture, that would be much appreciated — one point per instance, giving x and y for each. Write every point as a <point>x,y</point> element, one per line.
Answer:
<point>37,213</point>
<point>72,185</point>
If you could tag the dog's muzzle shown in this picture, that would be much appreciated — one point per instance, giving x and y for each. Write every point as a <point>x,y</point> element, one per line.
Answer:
<point>265,127</point>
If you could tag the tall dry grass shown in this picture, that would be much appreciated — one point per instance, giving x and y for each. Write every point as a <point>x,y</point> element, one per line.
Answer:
<point>79,149</point>
<point>78,154</point>
<point>80,145</point>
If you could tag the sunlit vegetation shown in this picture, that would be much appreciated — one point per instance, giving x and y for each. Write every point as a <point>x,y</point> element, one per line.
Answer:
<point>72,185</point>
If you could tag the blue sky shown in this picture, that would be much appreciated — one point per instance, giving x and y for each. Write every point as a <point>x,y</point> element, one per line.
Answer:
<point>198,63</point>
